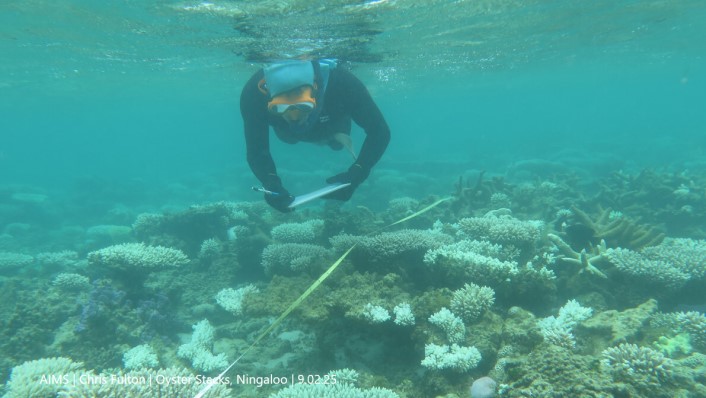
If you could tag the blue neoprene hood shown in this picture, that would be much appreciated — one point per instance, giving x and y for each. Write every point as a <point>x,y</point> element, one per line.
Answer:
<point>288,75</point>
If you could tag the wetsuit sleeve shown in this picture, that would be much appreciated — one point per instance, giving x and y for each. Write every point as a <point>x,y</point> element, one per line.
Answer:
<point>367,115</point>
<point>253,109</point>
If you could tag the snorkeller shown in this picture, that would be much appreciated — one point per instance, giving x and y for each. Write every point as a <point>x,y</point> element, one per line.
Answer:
<point>309,101</point>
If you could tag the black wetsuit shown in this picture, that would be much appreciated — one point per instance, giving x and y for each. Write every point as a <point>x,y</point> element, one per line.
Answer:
<point>345,99</point>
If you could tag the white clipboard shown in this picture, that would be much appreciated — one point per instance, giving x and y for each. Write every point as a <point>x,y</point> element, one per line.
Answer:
<point>308,197</point>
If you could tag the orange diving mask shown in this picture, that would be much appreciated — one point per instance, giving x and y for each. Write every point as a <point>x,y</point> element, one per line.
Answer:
<point>300,99</point>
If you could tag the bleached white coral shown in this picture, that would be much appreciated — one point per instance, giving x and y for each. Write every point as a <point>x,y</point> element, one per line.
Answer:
<point>628,361</point>
<point>471,300</point>
<point>288,257</point>
<point>210,248</point>
<point>142,356</point>
<point>141,387</point>
<point>14,261</point>
<point>686,255</point>
<point>61,259</point>
<point>503,229</point>
<point>232,299</point>
<point>332,390</point>
<point>450,324</point>
<point>345,375</point>
<point>137,255</point>
<point>452,357</point>
<point>403,314</point>
<point>71,281</point>
<point>387,245</point>
<point>691,322</point>
<point>298,232</point>
<point>375,313</point>
<point>477,260</point>
<point>198,350</point>
<point>26,379</point>
<point>652,270</point>
<point>558,330</point>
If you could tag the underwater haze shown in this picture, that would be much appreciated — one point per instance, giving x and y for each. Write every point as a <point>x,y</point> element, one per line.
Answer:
<point>568,139</point>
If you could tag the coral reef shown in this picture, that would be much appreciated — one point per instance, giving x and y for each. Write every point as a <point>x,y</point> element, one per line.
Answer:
<point>488,284</point>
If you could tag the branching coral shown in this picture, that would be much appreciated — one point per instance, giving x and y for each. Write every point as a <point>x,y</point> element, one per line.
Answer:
<point>557,330</point>
<point>292,257</point>
<point>471,300</point>
<point>503,229</point>
<point>137,255</point>
<point>619,230</point>
<point>671,264</point>
<point>636,364</point>
<point>305,232</point>
<point>583,259</point>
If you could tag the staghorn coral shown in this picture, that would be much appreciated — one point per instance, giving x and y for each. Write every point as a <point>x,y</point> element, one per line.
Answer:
<point>583,259</point>
<point>619,230</point>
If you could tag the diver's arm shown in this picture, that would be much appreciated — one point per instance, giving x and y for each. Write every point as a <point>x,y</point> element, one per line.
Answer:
<point>367,115</point>
<point>253,109</point>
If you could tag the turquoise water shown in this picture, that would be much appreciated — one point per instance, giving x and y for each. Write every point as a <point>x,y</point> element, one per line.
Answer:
<point>112,109</point>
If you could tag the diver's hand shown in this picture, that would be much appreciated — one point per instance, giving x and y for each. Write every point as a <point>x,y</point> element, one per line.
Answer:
<point>355,175</point>
<point>279,198</point>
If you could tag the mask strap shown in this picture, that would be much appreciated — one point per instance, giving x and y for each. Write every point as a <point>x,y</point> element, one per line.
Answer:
<point>262,86</point>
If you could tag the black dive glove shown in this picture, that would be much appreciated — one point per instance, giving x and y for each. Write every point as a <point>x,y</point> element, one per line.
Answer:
<point>355,175</point>
<point>280,198</point>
